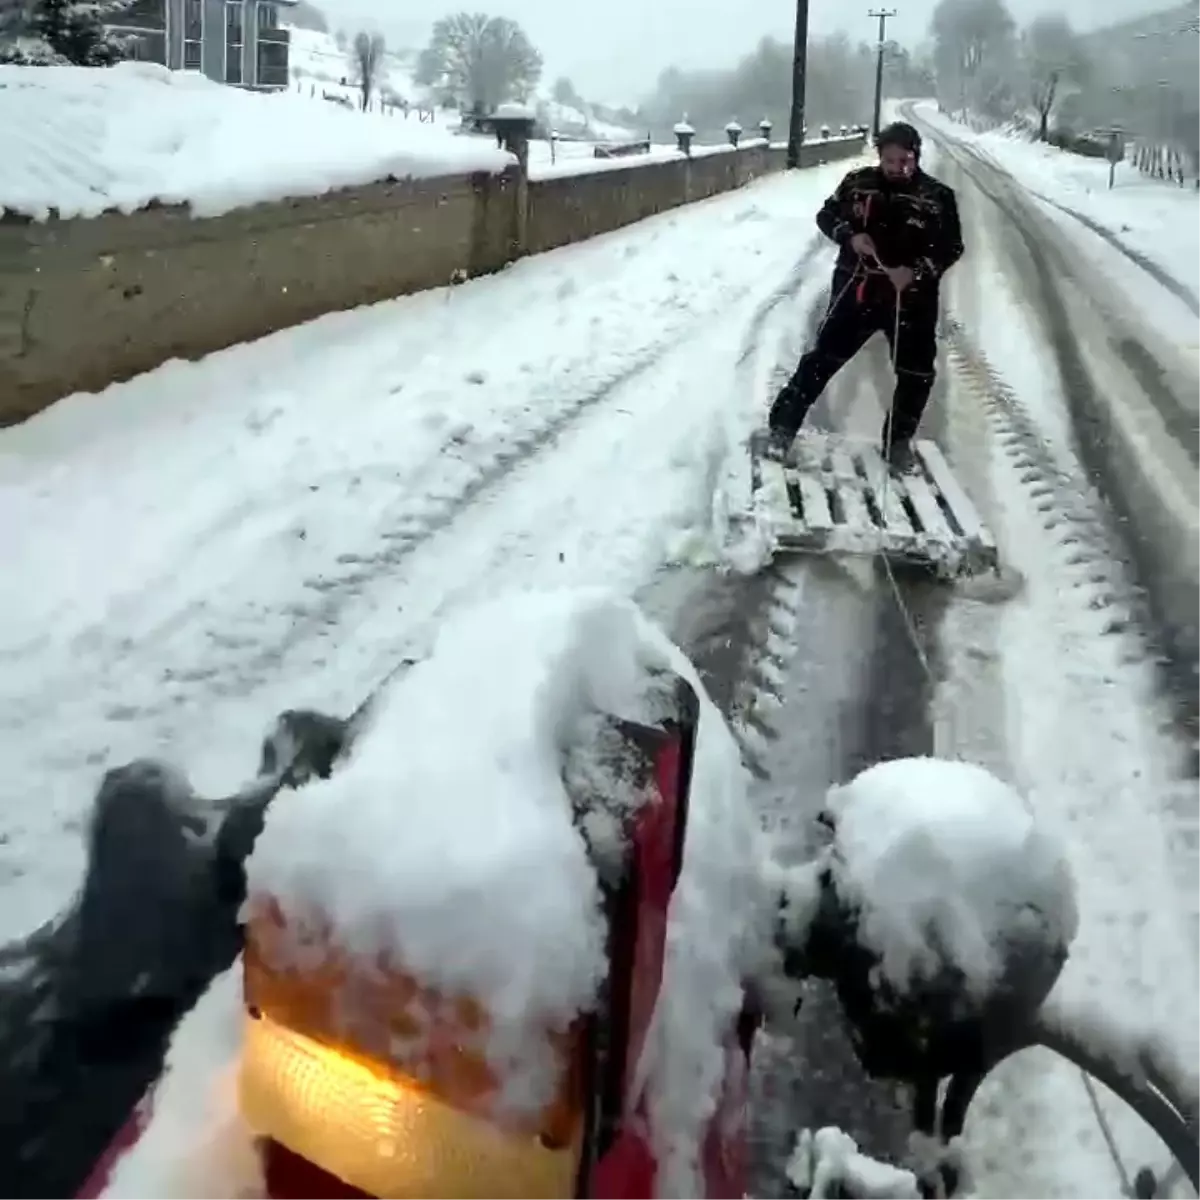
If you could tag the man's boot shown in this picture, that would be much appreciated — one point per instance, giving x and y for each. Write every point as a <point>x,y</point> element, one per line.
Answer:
<point>901,459</point>
<point>777,444</point>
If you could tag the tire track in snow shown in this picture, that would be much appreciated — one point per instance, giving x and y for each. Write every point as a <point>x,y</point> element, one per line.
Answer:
<point>1075,653</point>
<point>1084,599</point>
<point>1044,252</point>
<point>807,698</point>
<point>1159,588</point>
<point>1159,274</point>
<point>1092,560</point>
<point>230,661</point>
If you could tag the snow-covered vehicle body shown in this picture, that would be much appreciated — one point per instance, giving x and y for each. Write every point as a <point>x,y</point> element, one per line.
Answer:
<point>363,1071</point>
<point>565,857</point>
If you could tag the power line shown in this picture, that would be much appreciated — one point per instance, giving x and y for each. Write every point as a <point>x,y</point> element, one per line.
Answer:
<point>882,16</point>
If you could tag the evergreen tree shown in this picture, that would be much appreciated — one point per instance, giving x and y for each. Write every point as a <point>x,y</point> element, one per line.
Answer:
<point>74,31</point>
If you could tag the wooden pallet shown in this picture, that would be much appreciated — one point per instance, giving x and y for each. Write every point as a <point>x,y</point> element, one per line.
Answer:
<point>830,497</point>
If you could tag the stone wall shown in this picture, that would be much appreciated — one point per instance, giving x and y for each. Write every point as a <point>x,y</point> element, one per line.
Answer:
<point>85,303</point>
<point>570,208</point>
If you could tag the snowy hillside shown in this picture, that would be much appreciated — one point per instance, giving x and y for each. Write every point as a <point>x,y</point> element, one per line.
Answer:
<point>317,62</point>
<point>320,68</point>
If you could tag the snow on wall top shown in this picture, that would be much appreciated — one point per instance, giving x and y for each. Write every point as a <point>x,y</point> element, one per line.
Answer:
<point>80,141</point>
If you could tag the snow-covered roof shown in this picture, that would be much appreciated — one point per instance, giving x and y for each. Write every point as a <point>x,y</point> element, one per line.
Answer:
<point>81,141</point>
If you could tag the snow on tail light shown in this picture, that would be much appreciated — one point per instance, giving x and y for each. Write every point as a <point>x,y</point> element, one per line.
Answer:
<point>382,1082</point>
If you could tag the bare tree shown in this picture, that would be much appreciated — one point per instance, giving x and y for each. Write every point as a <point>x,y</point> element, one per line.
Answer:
<point>1054,60</point>
<point>973,48</point>
<point>837,89</point>
<point>482,61</point>
<point>366,58</point>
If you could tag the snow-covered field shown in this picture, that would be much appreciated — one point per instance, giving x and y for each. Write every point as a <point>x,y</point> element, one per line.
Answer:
<point>80,142</point>
<point>317,65</point>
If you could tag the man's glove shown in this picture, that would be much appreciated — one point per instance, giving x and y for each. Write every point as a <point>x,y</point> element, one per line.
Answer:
<point>863,245</point>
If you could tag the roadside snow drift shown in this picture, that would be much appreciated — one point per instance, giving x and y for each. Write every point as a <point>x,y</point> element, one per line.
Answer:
<point>947,864</point>
<point>79,141</point>
<point>448,843</point>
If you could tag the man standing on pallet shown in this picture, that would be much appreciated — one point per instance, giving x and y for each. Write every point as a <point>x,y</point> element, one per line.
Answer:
<point>899,233</point>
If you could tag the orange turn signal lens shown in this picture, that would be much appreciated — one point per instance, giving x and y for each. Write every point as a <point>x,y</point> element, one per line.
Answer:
<point>380,1132</point>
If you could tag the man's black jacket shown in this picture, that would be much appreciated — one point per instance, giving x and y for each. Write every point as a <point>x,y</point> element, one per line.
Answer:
<point>913,226</point>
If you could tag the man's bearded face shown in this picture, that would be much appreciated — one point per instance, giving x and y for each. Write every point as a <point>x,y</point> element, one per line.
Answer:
<point>898,165</point>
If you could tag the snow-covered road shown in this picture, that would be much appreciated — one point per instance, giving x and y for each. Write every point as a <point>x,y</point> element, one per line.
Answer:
<point>1061,685</point>
<point>281,523</point>
<point>278,523</point>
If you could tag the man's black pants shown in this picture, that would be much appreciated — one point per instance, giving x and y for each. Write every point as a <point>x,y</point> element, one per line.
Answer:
<point>848,325</point>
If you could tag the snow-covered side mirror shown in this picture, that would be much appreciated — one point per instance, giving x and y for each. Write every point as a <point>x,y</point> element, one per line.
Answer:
<point>941,911</point>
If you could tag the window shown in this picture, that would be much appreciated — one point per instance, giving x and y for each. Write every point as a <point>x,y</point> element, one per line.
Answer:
<point>268,16</point>
<point>272,64</point>
<point>234,40</point>
<point>193,35</point>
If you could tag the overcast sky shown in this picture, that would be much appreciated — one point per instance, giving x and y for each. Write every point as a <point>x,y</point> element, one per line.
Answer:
<point>614,53</point>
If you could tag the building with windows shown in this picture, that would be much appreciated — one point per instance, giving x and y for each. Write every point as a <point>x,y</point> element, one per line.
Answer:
<point>239,42</point>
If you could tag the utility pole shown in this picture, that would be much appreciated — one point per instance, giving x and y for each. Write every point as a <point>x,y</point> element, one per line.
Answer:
<point>882,15</point>
<point>799,70</point>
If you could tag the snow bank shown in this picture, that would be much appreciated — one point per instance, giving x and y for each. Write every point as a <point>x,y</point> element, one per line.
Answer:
<point>829,1163</point>
<point>195,1144</point>
<point>81,142</point>
<point>448,841</point>
<point>945,862</point>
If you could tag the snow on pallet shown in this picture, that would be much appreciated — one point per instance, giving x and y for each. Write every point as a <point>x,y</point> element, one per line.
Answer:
<point>835,495</point>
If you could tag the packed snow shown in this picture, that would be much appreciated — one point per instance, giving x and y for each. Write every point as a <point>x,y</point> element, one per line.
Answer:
<point>947,865</point>
<point>78,142</point>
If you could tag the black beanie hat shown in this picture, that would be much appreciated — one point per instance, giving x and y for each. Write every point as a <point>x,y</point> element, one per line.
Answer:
<point>901,134</point>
